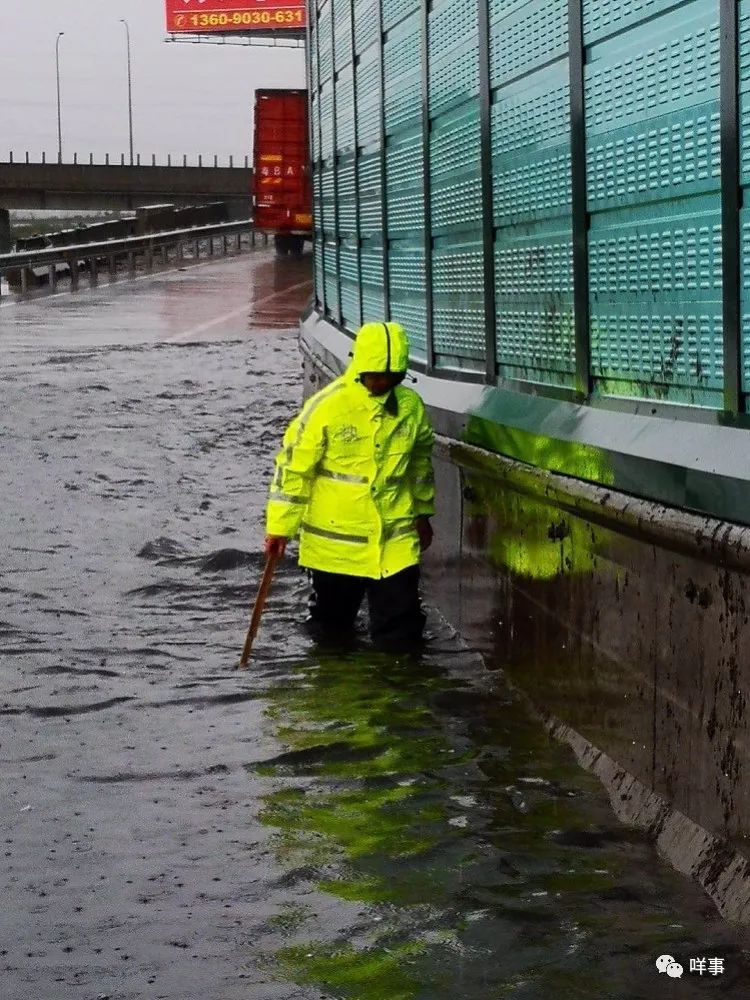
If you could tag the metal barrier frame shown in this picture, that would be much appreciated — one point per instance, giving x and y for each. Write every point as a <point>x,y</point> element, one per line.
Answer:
<point>90,254</point>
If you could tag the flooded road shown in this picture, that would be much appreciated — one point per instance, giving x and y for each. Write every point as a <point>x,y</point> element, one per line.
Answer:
<point>363,827</point>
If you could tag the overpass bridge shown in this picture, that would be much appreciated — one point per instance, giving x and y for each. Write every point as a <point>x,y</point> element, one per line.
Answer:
<point>117,186</point>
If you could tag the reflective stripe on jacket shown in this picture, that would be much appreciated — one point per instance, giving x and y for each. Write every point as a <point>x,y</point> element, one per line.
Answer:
<point>354,473</point>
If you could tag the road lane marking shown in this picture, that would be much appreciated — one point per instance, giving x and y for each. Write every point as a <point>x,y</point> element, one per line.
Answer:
<point>248,307</point>
<point>7,301</point>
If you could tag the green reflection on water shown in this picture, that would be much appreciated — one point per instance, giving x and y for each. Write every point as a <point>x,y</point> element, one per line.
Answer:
<point>402,790</point>
<point>372,974</point>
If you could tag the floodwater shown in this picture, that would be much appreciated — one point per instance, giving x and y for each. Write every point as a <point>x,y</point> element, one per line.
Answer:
<point>360,826</point>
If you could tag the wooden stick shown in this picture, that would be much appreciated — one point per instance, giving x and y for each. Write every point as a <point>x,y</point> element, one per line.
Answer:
<point>260,601</point>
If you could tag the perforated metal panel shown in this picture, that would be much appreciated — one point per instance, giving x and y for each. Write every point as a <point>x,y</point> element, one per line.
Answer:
<point>373,293</point>
<point>325,41</point>
<point>670,75</point>
<point>653,165</point>
<point>350,288</point>
<point>330,257</point>
<point>317,183</point>
<point>458,299</point>
<point>327,202</point>
<point>603,18</point>
<point>407,286</point>
<point>347,201</point>
<point>744,92</point>
<point>403,75</point>
<point>454,54</point>
<point>456,197</point>
<point>370,202</point>
<point>342,33</point>
<point>531,147</point>
<point>326,121</point>
<point>531,191</point>
<point>534,302</point>
<point>532,113</point>
<point>365,23</point>
<point>658,351</point>
<point>404,171</point>
<point>318,269</point>
<point>314,120</point>
<point>653,136</point>
<point>367,80</point>
<point>345,111</point>
<point>525,36</point>
<point>395,10</point>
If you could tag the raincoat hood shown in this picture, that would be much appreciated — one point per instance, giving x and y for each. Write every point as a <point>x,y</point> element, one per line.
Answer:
<point>380,347</point>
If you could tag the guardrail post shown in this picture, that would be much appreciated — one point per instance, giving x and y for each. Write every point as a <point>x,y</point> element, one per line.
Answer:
<point>150,255</point>
<point>164,254</point>
<point>184,159</point>
<point>169,159</point>
<point>131,264</point>
<point>75,159</point>
<point>91,159</point>
<point>196,250</point>
<point>24,281</point>
<point>10,157</point>
<point>53,277</point>
<point>73,265</point>
<point>93,272</point>
<point>200,159</point>
<point>106,159</point>
<point>27,156</point>
<point>231,159</point>
<point>138,159</point>
<point>112,267</point>
<point>4,230</point>
<point>122,159</point>
<point>224,245</point>
<point>44,157</point>
<point>216,160</point>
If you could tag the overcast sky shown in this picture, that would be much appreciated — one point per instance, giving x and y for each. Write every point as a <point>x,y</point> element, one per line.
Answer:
<point>186,98</point>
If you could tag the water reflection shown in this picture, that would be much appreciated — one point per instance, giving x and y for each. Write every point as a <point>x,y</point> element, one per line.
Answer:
<point>478,859</point>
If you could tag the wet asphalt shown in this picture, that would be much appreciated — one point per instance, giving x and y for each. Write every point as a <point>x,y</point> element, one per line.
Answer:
<point>352,825</point>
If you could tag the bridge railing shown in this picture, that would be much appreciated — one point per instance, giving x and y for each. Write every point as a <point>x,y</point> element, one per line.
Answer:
<point>193,160</point>
<point>27,268</point>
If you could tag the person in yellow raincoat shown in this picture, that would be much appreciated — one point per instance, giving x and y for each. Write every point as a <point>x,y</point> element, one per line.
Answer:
<point>354,480</point>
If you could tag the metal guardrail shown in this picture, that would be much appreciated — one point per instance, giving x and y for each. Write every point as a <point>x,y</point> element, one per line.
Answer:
<point>17,266</point>
<point>27,158</point>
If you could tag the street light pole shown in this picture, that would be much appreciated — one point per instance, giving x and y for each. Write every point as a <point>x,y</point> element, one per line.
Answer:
<point>130,89</point>
<point>59,115</point>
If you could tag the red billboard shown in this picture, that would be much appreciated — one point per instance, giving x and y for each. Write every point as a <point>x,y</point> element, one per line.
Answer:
<point>207,16</point>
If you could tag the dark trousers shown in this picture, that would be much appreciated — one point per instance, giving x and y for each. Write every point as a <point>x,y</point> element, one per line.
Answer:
<point>396,616</point>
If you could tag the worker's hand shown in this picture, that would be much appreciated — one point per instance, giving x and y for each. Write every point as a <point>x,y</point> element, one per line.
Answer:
<point>425,532</point>
<point>275,546</point>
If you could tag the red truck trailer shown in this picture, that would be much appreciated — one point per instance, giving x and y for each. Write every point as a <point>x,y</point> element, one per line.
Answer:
<point>282,192</point>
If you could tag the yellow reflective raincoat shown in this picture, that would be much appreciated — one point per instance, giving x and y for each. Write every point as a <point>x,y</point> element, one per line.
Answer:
<point>355,470</point>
